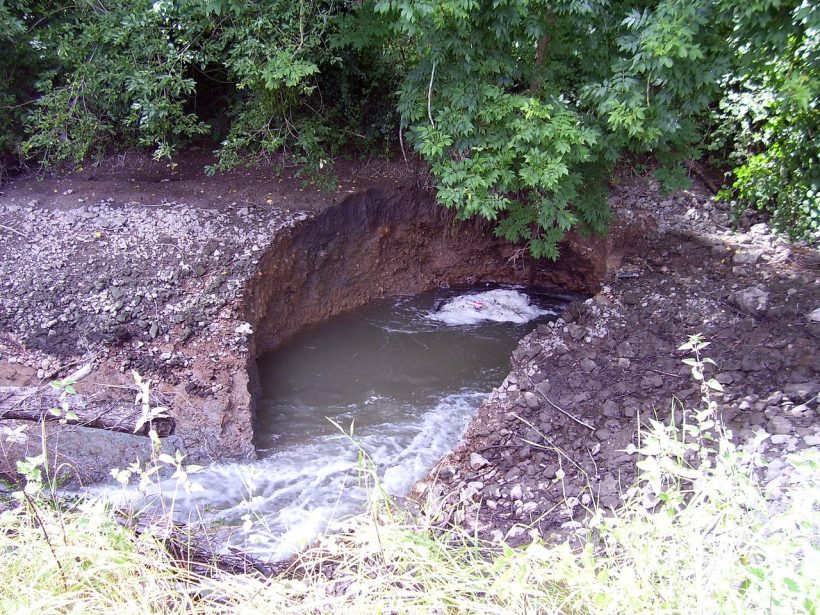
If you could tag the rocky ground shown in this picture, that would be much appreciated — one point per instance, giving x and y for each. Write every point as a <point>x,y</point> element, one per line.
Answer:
<point>552,438</point>
<point>144,268</point>
<point>132,265</point>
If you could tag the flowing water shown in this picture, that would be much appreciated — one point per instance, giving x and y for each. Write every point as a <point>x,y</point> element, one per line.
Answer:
<point>397,380</point>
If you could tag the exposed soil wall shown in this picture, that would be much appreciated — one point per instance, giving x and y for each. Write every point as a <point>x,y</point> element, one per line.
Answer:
<point>386,242</point>
<point>391,242</point>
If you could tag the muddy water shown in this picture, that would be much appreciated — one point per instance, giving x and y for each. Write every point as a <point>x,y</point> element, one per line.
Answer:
<point>395,382</point>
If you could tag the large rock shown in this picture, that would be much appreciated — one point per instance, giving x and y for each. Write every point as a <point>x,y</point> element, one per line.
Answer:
<point>748,257</point>
<point>752,301</point>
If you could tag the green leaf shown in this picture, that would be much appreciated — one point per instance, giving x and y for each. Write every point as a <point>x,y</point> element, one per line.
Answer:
<point>791,585</point>
<point>714,384</point>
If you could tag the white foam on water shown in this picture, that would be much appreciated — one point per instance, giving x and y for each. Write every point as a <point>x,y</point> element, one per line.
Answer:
<point>499,305</point>
<point>290,497</point>
<point>276,505</point>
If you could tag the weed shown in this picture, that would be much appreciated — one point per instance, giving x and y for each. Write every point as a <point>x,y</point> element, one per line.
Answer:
<point>695,534</point>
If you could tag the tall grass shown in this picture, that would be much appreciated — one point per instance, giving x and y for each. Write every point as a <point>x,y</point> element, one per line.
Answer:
<point>695,534</point>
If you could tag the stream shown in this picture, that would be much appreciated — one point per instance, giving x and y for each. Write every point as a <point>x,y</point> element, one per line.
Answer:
<point>389,387</point>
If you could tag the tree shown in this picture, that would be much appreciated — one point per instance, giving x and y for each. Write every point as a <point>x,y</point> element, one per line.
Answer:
<point>521,107</point>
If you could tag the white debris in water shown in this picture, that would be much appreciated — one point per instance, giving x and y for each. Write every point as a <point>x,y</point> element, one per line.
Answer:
<point>499,305</point>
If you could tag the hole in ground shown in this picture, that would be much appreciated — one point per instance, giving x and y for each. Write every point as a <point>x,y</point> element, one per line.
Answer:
<point>390,242</point>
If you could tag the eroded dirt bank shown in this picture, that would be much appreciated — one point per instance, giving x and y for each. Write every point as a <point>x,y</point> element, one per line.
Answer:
<point>173,289</point>
<point>189,295</point>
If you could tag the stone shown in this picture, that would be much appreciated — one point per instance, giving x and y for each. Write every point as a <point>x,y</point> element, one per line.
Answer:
<point>814,316</point>
<point>610,409</point>
<point>799,411</point>
<point>802,390</point>
<point>725,378</point>
<point>771,411</point>
<point>538,377</point>
<point>525,353</point>
<point>577,332</point>
<point>753,362</point>
<point>513,473</point>
<point>531,400</point>
<point>747,257</point>
<point>588,365</point>
<point>477,461</point>
<point>779,425</point>
<point>603,434</point>
<point>752,301</point>
<point>625,351</point>
<point>755,418</point>
<point>516,492</point>
<point>780,439</point>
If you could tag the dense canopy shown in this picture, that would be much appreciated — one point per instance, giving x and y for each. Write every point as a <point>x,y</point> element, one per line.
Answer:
<point>521,107</point>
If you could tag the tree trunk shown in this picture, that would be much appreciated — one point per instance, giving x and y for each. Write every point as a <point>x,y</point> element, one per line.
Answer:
<point>36,403</point>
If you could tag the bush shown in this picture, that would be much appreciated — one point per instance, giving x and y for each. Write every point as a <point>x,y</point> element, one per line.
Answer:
<point>767,118</point>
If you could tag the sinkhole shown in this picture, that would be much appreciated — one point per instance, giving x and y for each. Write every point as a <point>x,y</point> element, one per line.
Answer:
<point>380,392</point>
<point>361,348</point>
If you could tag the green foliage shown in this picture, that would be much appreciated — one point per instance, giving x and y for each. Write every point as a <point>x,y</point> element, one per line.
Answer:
<point>768,121</point>
<point>18,69</point>
<point>521,107</point>
<point>503,140</point>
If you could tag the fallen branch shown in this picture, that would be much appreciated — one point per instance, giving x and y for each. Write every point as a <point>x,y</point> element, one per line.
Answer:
<point>37,403</point>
